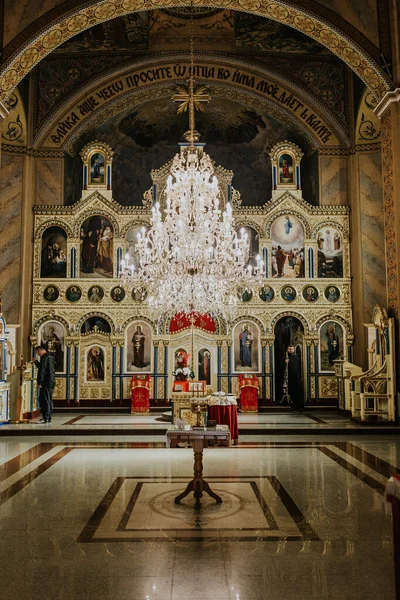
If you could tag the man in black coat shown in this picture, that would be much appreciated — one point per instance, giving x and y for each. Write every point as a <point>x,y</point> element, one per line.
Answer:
<point>295,387</point>
<point>46,381</point>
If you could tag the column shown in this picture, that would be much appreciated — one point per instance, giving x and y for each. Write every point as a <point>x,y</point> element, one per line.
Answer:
<point>388,110</point>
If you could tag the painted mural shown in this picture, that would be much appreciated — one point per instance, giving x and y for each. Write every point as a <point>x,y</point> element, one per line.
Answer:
<point>287,234</point>
<point>204,358</point>
<point>51,337</point>
<point>95,370</point>
<point>331,345</point>
<point>94,324</point>
<point>246,347</point>
<point>330,253</point>
<point>54,253</point>
<point>253,250</point>
<point>131,245</point>
<point>139,346</point>
<point>96,245</point>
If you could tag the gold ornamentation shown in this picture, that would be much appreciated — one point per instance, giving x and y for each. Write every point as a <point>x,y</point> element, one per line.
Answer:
<point>77,23</point>
<point>52,39</point>
<point>390,214</point>
<point>105,11</point>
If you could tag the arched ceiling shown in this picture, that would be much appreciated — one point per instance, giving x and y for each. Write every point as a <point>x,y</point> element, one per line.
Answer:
<point>238,136</point>
<point>136,83</point>
<point>81,18</point>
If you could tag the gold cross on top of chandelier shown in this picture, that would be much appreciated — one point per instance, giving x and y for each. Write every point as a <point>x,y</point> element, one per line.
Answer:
<point>191,99</point>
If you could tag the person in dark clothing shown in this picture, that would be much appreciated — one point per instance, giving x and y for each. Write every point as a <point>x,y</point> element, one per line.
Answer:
<point>46,381</point>
<point>295,387</point>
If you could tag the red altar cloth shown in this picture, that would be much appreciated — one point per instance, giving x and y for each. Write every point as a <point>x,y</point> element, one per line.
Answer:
<point>225,415</point>
<point>248,385</point>
<point>393,496</point>
<point>140,388</point>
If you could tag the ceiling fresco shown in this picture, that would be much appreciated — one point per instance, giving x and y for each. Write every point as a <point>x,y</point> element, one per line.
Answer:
<point>264,34</point>
<point>147,137</point>
<point>125,39</point>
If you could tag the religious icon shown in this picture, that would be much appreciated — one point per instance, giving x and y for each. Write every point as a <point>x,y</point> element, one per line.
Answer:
<point>331,345</point>
<point>73,293</point>
<point>96,168</point>
<point>138,343</point>
<point>330,253</point>
<point>287,236</point>
<point>117,294</point>
<point>96,247</point>
<point>54,253</point>
<point>139,295</point>
<point>288,293</point>
<point>310,293</point>
<point>205,365</point>
<point>286,174</point>
<point>96,324</point>
<point>51,293</point>
<point>131,247</point>
<point>266,293</point>
<point>244,295</point>
<point>51,337</point>
<point>253,249</point>
<point>332,293</point>
<point>246,347</point>
<point>95,364</point>
<point>95,294</point>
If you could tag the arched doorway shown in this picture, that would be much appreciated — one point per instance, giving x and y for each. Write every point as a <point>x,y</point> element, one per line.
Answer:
<point>289,331</point>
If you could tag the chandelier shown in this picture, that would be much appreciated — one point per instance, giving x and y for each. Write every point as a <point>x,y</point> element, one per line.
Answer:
<point>192,260</point>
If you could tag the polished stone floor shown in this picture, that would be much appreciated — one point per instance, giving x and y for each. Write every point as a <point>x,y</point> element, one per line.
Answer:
<point>302,517</point>
<point>309,422</point>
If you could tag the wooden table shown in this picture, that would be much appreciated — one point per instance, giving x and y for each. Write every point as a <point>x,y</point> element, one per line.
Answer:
<point>199,439</point>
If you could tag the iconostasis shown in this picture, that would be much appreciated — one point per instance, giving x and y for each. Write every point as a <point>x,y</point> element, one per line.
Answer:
<point>101,332</point>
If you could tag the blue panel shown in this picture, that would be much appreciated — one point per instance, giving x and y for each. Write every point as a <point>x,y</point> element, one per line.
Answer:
<point>264,364</point>
<point>114,373</point>
<point>274,175</point>
<point>68,390</point>
<point>121,370</point>
<point>229,369</point>
<point>166,372</point>
<point>85,176</point>
<point>219,366</point>
<point>154,193</point>
<point>155,372</point>
<point>76,374</point>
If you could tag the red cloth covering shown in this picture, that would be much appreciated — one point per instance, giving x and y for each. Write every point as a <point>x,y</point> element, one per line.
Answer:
<point>204,322</point>
<point>225,415</point>
<point>140,387</point>
<point>248,385</point>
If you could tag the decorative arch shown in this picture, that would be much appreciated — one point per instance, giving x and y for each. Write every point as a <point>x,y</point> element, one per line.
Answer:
<point>252,319</point>
<point>149,322</point>
<point>53,223</point>
<point>138,222</point>
<point>51,317</point>
<point>248,222</point>
<point>268,92</point>
<point>289,313</point>
<point>328,223</point>
<point>335,318</point>
<point>94,212</point>
<point>279,213</point>
<point>95,313</point>
<point>61,29</point>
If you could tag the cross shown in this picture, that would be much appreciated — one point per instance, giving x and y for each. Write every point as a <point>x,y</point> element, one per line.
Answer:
<point>191,99</point>
<point>386,65</point>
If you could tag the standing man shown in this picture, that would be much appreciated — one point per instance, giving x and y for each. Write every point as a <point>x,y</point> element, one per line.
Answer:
<point>46,381</point>
<point>295,386</point>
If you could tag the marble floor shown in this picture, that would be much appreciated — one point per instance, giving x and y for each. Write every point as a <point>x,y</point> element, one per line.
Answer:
<point>94,518</point>
<point>308,422</point>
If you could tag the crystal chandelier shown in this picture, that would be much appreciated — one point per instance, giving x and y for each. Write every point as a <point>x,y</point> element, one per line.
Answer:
<point>192,261</point>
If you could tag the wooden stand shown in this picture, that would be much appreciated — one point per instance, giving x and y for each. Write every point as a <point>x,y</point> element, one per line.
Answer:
<point>199,439</point>
<point>198,485</point>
